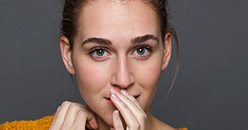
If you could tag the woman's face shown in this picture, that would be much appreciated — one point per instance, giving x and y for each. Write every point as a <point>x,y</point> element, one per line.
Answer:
<point>118,46</point>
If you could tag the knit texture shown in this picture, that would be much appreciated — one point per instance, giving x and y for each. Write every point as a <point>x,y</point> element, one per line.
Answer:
<point>39,124</point>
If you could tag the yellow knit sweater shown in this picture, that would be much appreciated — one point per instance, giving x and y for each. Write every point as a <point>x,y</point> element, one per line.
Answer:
<point>39,124</point>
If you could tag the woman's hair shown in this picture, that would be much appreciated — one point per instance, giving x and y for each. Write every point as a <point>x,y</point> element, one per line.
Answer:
<point>70,21</point>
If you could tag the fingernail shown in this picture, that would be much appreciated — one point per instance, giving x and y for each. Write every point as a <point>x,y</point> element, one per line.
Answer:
<point>116,111</point>
<point>123,91</point>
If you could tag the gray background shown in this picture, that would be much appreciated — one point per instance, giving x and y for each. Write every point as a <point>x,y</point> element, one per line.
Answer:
<point>211,90</point>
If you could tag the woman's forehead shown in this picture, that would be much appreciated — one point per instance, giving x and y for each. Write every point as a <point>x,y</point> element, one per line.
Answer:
<point>109,18</point>
<point>118,1</point>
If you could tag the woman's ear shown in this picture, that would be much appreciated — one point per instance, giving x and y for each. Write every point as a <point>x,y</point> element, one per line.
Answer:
<point>66,54</point>
<point>166,50</point>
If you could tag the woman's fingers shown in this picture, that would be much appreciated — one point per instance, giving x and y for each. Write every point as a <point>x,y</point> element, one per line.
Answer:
<point>70,116</point>
<point>59,116</point>
<point>125,93</point>
<point>133,104</point>
<point>117,121</point>
<point>127,114</point>
<point>90,117</point>
<point>132,113</point>
<point>73,116</point>
<point>80,121</point>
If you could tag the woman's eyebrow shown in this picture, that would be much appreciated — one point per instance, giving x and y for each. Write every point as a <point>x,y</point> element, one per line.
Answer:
<point>97,40</point>
<point>144,38</point>
<point>136,40</point>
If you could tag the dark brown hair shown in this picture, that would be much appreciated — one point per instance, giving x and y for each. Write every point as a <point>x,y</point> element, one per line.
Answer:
<point>71,12</point>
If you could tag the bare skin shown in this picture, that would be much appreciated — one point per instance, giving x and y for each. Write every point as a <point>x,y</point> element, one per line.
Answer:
<point>117,57</point>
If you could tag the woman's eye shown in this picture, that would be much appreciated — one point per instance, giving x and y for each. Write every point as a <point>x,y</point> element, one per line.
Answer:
<point>99,54</point>
<point>142,52</point>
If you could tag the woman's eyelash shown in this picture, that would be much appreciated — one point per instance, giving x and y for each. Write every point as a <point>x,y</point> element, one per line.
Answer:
<point>97,48</point>
<point>106,49</point>
<point>144,47</point>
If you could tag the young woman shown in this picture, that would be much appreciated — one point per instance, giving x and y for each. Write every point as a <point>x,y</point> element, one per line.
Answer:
<point>116,49</point>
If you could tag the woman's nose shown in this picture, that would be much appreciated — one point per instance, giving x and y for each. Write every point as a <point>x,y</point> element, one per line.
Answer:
<point>122,76</point>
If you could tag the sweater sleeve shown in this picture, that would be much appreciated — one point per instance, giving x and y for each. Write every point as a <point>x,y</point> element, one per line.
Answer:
<point>182,129</point>
<point>39,124</point>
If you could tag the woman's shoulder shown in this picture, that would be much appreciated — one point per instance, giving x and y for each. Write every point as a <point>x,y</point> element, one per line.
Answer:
<point>38,124</point>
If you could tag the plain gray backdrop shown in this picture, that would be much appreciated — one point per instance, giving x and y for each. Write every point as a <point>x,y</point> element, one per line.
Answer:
<point>211,90</point>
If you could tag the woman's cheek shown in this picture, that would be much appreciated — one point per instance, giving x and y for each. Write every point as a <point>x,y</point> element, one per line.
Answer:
<point>91,77</point>
<point>148,80</point>
<point>148,73</point>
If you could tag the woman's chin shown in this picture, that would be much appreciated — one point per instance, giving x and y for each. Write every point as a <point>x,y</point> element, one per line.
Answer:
<point>104,111</point>
<point>106,119</point>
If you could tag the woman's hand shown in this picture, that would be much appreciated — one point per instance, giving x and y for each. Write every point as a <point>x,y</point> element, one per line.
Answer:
<point>132,113</point>
<point>73,116</point>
